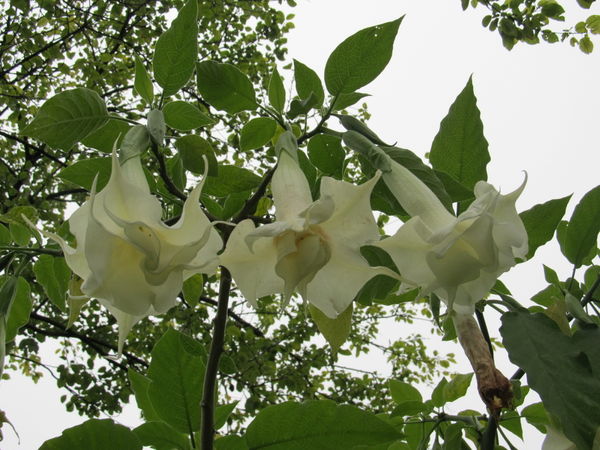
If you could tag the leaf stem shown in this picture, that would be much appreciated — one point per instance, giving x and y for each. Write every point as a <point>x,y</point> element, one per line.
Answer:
<point>210,376</point>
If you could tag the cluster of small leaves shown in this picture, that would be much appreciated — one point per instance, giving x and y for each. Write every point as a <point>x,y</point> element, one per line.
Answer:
<point>530,20</point>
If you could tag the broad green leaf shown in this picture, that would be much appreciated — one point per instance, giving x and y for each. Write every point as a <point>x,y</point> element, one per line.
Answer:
<point>192,289</point>
<point>104,138</point>
<point>67,118</point>
<point>192,148</point>
<point>225,87</point>
<point>16,213</point>
<point>536,415</point>
<point>360,58</point>
<point>143,84</point>
<point>177,372</point>
<point>19,312</point>
<point>8,292</point>
<point>176,171</point>
<point>380,286</point>
<point>276,91</point>
<point>455,190</point>
<point>327,154</point>
<point>344,101</point>
<point>53,274</point>
<point>403,392</point>
<point>460,148</point>
<point>95,434</point>
<point>410,408</point>
<point>438,396</point>
<point>176,50</point>
<point>256,133</point>
<point>541,222</point>
<point>307,82</point>
<point>316,425</point>
<point>5,237</point>
<point>184,116</point>
<point>233,203</point>
<point>562,370</point>
<point>222,413</point>
<point>161,436</point>
<point>231,442</point>
<point>593,24</point>
<point>20,233</point>
<point>231,179</point>
<point>301,107</point>
<point>337,330</point>
<point>139,385</point>
<point>582,231</point>
<point>457,387</point>
<point>83,172</point>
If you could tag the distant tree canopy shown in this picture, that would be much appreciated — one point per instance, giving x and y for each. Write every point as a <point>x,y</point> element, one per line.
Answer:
<point>533,21</point>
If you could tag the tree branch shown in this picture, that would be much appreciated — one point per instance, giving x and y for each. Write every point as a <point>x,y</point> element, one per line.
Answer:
<point>216,349</point>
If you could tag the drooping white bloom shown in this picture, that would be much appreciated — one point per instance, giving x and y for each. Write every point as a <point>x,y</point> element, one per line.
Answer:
<point>457,258</point>
<point>312,248</point>
<point>128,258</point>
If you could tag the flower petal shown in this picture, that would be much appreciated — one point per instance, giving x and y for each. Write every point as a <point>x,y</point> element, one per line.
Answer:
<point>352,220</point>
<point>415,197</point>
<point>334,286</point>
<point>291,193</point>
<point>125,323</point>
<point>253,271</point>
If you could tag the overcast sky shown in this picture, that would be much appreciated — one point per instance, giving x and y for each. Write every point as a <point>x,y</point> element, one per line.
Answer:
<point>539,106</point>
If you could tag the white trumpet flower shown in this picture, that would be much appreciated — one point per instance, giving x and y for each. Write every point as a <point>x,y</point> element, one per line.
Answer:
<point>128,258</point>
<point>457,258</point>
<point>313,248</point>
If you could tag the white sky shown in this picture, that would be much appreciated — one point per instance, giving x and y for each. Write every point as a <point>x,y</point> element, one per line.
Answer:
<point>538,105</point>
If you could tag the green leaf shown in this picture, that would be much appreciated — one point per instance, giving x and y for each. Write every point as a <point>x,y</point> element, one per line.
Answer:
<point>308,82</point>
<point>191,149</point>
<point>541,222</point>
<point>222,413</point>
<point>95,434</point>
<point>176,50</point>
<point>231,442</point>
<point>256,133</point>
<point>368,150</point>
<point>380,286</point>
<point>184,116</point>
<point>67,118</point>
<point>53,275</point>
<point>585,3</point>
<point>192,289</point>
<point>231,179</point>
<point>20,233</point>
<point>327,154</point>
<point>139,385</point>
<point>301,107</point>
<point>161,436</point>
<point>455,190</point>
<point>177,373</point>
<point>276,91</point>
<point>5,237</point>
<point>225,87</point>
<point>593,24</point>
<point>586,45</point>
<point>83,172</point>
<point>403,392</point>
<point>143,84</point>
<point>536,415</point>
<point>351,123</point>
<point>337,330</point>
<point>316,425</point>
<point>104,138</point>
<point>460,148</point>
<point>457,387</point>
<point>344,101</point>
<point>563,370</point>
<point>18,314</point>
<point>582,231</point>
<point>360,58</point>
<point>438,396</point>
